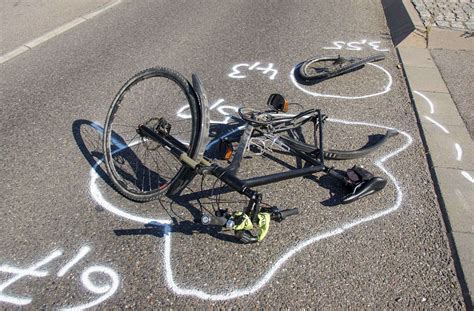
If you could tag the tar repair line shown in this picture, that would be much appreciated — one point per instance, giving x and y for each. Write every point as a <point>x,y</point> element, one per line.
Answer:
<point>263,280</point>
<point>57,31</point>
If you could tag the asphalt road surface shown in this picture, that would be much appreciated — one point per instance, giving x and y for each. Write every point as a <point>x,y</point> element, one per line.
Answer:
<point>68,239</point>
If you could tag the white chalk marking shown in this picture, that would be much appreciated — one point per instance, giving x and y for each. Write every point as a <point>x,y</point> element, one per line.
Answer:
<point>108,290</point>
<point>217,103</point>
<point>221,109</point>
<point>437,124</point>
<point>260,283</point>
<point>98,197</point>
<point>21,273</point>
<point>385,90</point>
<point>53,33</point>
<point>235,71</point>
<point>467,176</point>
<point>337,46</point>
<point>82,252</point>
<point>13,270</point>
<point>376,46</point>
<point>459,152</point>
<point>269,69</point>
<point>427,100</point>
<point>354,45</point>
<point>254,65</point>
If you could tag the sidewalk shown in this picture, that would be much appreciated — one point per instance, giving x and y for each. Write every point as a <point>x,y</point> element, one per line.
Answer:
<point>435,43</point>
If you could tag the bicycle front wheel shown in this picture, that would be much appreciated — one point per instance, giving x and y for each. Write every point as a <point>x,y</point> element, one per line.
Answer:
<point>139,168</point>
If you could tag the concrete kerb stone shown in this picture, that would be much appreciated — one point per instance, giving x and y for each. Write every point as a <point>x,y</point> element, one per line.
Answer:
<point>425,79</point>
<point>416,57</point>
<point>464,242</point>
<point>438,106</point>
<point>458,204</point>
<point>442,149</point>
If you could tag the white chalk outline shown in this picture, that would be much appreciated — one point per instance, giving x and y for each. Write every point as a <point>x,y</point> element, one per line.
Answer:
<point>385,90</point>
<point>265,278</point>
<point>430,103</point>
<point>437,124</point>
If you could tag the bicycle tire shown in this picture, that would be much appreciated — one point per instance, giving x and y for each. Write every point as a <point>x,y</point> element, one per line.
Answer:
<point>127,180</point>
<point>308,72</point>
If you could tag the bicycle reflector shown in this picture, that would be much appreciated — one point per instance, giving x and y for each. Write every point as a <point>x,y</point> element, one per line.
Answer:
<point>278,102</point>
<point>225,149</point>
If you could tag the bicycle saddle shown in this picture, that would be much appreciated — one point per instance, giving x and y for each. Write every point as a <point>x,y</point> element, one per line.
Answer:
<point>364,189</point>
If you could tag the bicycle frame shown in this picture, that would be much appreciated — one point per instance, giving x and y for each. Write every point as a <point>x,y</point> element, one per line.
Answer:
<point>228,174</point>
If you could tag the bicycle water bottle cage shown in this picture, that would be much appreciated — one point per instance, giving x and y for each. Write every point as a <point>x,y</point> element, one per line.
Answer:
<point>277,102</point>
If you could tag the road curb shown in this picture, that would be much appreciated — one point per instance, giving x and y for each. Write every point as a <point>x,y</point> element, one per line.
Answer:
<point>53,33</point>
<point>449,147</point>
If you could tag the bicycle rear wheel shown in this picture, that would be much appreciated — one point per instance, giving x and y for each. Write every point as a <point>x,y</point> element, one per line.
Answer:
<point>139,168</point>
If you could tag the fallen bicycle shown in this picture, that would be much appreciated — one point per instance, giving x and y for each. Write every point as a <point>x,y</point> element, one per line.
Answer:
<point>165,153</point>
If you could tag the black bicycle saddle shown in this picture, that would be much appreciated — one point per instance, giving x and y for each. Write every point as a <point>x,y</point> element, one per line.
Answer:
<point>364,189</point>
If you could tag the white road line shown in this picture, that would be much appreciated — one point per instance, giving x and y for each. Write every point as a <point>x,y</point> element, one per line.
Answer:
<point>427,100</point>
<point>53,33</point>
<point>437,124</point>
<point>459,151</point>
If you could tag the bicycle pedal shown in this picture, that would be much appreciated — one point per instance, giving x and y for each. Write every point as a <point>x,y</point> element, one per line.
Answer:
<point>246,237</point>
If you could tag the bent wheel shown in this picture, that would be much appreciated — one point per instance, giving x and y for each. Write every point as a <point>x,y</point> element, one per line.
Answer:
<point>139,168</point>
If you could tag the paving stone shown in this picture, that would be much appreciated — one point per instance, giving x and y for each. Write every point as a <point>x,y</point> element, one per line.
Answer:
<point>445,13</point>
<point>443,23</point>
<point>457,25</point>
<point>441,144</point>
<point>464,243</point>
<point>458,195</point>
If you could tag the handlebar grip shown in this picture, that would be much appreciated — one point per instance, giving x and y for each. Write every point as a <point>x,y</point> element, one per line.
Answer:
<point>281,215</point>
<point>289,212</point>
<point>213,220</point>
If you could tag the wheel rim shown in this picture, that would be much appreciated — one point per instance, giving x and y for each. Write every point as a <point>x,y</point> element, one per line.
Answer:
<point>138,165</point>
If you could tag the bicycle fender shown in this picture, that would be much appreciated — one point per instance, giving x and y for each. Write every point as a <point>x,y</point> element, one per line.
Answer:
<point>205,120</point>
